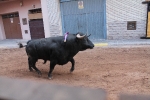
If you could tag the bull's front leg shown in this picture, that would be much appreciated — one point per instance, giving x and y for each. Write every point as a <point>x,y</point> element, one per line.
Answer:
<point>52,65</point>
<point>73,63</point>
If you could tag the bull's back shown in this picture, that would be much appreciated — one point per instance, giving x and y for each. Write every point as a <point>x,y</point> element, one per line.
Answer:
<point>42,48</point>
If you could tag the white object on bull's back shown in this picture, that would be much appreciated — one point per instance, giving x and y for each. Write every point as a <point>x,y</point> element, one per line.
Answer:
<point>66,34</point>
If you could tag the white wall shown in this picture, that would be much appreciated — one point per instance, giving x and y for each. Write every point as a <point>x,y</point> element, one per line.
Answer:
<point>54,17</point>
<point>118,12</point>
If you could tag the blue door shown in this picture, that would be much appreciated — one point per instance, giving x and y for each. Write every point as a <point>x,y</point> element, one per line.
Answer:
<point>90,18</point>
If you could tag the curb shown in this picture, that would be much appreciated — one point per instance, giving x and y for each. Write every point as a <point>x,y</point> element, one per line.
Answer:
<point>100,44</point>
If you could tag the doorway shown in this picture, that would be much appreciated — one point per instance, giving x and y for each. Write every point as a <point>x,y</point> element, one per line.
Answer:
<point>36,24</point>
<point>36,28</point>
<point>12,26</point>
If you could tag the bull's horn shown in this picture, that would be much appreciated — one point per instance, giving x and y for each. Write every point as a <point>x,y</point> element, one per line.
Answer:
<point>80,37</point>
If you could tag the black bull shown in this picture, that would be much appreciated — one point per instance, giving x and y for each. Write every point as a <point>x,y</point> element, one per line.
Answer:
<point>56,50</point>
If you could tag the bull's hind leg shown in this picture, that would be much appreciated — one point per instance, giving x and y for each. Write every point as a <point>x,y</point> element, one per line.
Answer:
<point>32,62</point>
<point>30,66</point>
<point>52,65</point>
<point>72,62</point>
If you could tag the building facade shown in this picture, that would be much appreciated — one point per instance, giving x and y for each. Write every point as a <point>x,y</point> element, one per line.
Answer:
<point>103,19</point>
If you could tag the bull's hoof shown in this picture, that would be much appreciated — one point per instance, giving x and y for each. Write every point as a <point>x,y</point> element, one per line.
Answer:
<point>71,70</point>
<point>50,77</point>
<point>30,69</point>
<point>39,73</point>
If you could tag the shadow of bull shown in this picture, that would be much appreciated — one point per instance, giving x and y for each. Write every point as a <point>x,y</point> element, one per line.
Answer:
<point>15,89</point>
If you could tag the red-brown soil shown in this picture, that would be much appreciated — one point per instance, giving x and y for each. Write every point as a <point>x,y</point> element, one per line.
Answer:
<point>115,69</point>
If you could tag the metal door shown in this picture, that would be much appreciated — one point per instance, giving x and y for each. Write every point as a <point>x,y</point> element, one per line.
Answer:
<point>90,18</point>
<point>36,29</point>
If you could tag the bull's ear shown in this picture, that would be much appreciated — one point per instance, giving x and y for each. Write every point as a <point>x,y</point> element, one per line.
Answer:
<point>89,35</point>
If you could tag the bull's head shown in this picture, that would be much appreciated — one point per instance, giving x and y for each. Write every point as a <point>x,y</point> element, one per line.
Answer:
<point>84,42</point>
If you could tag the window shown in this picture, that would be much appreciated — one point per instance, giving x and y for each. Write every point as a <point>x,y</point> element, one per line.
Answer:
<point>131,25</point>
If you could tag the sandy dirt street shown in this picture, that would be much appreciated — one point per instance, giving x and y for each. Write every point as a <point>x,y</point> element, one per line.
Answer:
<point>116,69</point>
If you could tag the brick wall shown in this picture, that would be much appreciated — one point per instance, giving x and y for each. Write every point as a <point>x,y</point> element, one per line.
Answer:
<point>119,12</point>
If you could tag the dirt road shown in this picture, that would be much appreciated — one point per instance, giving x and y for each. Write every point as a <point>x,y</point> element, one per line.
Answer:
<point>115,69</point>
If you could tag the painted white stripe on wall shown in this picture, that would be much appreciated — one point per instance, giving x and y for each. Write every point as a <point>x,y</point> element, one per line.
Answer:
<point>54,17</point>
<point>2,35</point>
<point>45,18</point>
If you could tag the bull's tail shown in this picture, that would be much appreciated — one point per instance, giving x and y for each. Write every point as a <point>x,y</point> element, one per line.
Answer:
<point>21,45</point>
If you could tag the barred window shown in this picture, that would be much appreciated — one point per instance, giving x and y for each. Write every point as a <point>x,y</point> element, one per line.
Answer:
<point>131,25</point>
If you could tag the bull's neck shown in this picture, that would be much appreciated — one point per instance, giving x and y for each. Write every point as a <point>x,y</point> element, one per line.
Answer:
<point>72,47</point>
